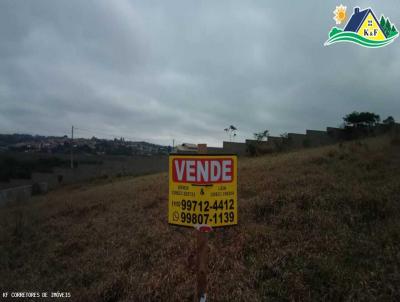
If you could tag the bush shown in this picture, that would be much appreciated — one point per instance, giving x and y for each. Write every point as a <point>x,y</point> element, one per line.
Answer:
<point>11,167</point>
<point>252,149</point>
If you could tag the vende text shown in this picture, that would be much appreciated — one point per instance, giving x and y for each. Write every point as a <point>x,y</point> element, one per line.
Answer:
<point>202,171</point>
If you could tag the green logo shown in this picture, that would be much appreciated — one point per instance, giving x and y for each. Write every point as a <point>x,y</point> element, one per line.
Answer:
<point>362,28</point>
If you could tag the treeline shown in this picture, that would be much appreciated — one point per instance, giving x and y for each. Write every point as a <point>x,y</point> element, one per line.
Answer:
<point>10,139</point>
<point>388,28</point>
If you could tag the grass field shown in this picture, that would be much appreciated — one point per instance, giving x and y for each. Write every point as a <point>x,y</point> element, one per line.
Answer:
<point>314,225</point>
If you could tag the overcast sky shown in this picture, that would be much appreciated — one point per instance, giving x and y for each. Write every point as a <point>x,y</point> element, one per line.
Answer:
<point>158,70</point>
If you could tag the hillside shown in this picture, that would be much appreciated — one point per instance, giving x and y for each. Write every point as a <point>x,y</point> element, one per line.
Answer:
<point>61,145</point>
<point>319,224</point>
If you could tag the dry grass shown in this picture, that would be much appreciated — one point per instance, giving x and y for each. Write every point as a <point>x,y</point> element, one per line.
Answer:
<point>321,224</point>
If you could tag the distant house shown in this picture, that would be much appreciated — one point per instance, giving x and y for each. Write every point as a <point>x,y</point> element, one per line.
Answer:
<point>185,148</point>
<point>365,24</point>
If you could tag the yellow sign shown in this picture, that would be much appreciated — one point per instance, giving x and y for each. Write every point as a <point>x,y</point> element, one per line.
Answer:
<point>202,190</point>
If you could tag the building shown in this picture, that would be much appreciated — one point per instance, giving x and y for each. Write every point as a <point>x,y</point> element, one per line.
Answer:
<point>366,25</point>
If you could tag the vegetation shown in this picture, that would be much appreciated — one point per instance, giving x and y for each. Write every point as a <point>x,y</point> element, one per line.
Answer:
<point>315,225</point>
<point>361,119</point>
<point>389,120</point>
<point>283,143</point>
<point>12,167</point>
<point>260,136</point>
<point>334,31</point>
<point>388,28</point>
<point>231,132</point>
<point>62,145</point>
<point>254,148</point>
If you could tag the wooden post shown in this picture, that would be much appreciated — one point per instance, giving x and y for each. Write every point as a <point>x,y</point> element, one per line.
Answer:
<point>202,265</point>
<point>202,252</point>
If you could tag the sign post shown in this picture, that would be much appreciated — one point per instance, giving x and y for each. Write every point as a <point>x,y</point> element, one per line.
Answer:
<point>203,195</point>
<point>202,251</point>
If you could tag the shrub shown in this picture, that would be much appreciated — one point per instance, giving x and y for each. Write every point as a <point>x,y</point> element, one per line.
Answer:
<point>252,149</point>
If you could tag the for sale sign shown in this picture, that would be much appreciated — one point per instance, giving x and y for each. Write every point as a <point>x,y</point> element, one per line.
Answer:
<point>202,190</point>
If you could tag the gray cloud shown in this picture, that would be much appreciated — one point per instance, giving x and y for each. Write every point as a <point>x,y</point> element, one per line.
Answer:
<point>158,70</point>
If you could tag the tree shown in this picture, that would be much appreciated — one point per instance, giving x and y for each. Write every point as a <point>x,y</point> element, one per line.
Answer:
<point>361,119</point>
<point>383,22</point>
<point>393,31</point>
<point>231,132</point>
<point>260,136</point>
<point>387,28</point>
<point>283,143</point>
<point>389,120</point>
<point>254,148</point>
<point>284,135</point>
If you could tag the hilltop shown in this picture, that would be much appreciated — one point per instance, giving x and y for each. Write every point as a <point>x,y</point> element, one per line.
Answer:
<point>316,224</point>
<point>91,146</point>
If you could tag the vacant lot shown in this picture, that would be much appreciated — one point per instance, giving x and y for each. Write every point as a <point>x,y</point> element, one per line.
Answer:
<point>321,224</point>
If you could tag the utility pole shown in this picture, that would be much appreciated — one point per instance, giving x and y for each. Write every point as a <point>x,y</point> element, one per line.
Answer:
<point>72,147</point>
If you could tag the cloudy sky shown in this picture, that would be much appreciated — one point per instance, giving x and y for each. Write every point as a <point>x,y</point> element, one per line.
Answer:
<point>185,70</point>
